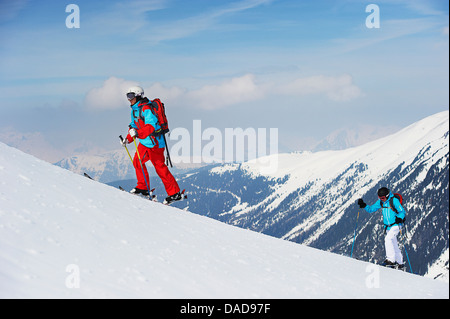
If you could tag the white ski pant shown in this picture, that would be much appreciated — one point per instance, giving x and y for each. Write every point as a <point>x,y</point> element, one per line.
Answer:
<point>393,252</point>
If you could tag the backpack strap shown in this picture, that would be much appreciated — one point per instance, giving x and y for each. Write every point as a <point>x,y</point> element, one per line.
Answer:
<point>391,203</point>
<point>141,105</point>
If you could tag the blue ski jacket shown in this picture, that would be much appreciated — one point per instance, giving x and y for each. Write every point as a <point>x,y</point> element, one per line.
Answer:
<point>389,214</point>
<point>146,123</point>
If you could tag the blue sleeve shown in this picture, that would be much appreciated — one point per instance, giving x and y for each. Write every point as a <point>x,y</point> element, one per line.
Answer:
<point>373,208</point>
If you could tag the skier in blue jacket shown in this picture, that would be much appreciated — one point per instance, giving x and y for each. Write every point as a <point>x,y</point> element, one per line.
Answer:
<point>393,220</point>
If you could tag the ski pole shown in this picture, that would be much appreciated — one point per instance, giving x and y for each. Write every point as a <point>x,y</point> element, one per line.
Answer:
<point>354,236</point>
<point>407,257</point>
<point>121,139</point>
<point>406,252</point>
<point>142,166</point>
<point>167,150</point>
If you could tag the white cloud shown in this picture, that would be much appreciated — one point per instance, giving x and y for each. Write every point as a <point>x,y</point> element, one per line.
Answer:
<point>110,96</point>
<point>335,88</point>
<point>230,92</point>
<point>234,91</point>
<point>171,94</point>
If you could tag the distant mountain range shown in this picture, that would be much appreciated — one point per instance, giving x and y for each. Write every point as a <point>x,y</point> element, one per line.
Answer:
<point>107,167</point>
<point>350,137</point>
<point>113,166</point>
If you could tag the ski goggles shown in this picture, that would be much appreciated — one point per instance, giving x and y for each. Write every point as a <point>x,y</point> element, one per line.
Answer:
<point>130,96</point>
<point>383,198</point>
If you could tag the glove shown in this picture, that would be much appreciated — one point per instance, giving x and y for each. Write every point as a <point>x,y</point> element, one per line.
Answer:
<point>399,220</point>
<point>361,203</point>
<point>133,133</point>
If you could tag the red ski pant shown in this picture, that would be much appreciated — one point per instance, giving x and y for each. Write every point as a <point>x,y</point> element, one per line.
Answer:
<point>156,156</point>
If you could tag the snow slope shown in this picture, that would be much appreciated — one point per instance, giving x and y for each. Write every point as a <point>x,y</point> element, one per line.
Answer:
<point>65,236</point>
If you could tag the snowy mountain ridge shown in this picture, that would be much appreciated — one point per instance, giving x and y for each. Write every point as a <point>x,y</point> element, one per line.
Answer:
<point>65,236</point>
<point>116,165</point>
<point>107,167</point>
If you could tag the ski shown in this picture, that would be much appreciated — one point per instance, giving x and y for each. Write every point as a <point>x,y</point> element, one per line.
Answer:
<point>86,175</point>
<point>395,266</point>
<point>401,268</point>
<point>150,196</point>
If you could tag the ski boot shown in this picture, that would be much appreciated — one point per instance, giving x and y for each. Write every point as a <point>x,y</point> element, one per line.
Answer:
<point>389,264</point>
<point>175,198</point>
<point>138,191</point>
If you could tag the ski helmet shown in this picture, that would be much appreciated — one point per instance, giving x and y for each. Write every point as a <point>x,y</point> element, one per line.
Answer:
<point>383,191</point>
<point>135,91</point>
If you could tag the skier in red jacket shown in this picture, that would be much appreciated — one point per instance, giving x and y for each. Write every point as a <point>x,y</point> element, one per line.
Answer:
<point>151,146</point>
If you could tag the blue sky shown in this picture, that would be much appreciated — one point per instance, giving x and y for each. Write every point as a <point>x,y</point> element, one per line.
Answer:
<point>305,67</point>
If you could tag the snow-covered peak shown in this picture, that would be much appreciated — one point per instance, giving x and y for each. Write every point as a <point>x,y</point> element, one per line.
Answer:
<point>402,146</point>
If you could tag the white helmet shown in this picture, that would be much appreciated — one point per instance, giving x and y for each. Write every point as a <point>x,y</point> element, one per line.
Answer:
<point>135,91</point>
